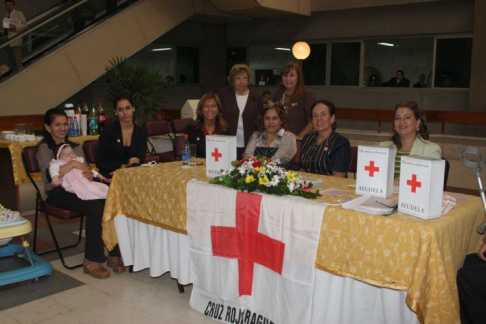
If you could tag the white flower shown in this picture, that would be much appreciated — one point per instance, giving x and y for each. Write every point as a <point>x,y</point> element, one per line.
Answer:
<point>291,186</point>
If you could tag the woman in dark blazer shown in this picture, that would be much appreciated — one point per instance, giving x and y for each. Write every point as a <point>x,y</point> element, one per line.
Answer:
<point>241,106</point>
<point>123,143</point>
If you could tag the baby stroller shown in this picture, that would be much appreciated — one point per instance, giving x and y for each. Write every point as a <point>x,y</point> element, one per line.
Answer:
<point>12,225</point>
<point>476,167</point>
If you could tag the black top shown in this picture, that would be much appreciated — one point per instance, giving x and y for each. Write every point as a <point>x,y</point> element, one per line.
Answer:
<point>393,82</point>
<point>111,153</point>
<point>334,154</point>
<point>198,137</point>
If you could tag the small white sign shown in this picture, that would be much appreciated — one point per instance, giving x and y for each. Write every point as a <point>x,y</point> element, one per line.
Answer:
<point>8,21</point>
<point>220,152</point>
<point>375,168</point>
<point>421,186</point>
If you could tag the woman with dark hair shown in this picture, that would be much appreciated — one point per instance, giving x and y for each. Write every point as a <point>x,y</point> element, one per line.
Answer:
<point>241,106</point>
<point>295,99</point>
<point>272,138</point>
<point>122,144</point>
<point>410,134</point>
<point>325,151</point>
<point>55,132</point>
<point>209,121</point>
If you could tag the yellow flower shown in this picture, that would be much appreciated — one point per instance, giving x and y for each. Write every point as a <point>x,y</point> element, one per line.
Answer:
<point>249,179</point>
<point>260,169</point>
<point>263,181</point>
<point>291,176</point>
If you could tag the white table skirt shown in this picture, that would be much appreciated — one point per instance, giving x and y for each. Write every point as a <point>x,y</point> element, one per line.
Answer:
<point>336,299</point>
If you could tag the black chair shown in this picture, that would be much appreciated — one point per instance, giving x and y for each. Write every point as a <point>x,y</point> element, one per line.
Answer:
<point>89,148</point>
<point>159,128</point>
<point>31,166</point>
<point>353,162</point>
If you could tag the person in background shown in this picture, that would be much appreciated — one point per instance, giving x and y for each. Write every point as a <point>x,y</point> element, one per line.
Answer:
<point>295,99</point>
<point>398,81</point>
<point>421,83</point>
<point>13,30</point>
<point>209,121</point>
<point>241,106</point>
<point>266,97</point>
<point>272,139</point>
<point>410,135</point>
<point>471,286</point>
<point>325,151</point>
<point>122,143</point>
<point>55,133</point>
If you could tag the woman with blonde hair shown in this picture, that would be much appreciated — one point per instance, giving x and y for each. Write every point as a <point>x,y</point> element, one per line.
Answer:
<point>209,121</point>
<point>241,106</point>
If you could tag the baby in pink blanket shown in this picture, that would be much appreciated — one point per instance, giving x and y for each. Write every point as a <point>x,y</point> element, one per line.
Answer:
<point>74,181</point>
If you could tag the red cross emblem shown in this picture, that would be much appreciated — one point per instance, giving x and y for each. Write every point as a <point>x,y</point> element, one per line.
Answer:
<point>246,244</point>
<point>414,183</point>
<point>372,169</point>
<point>216,154</point>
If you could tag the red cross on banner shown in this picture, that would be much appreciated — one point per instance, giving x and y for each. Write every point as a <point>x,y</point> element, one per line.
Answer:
<point>372,169</point>
<point>246,244</point>
<point>216,154</point>
<point>414,183</point>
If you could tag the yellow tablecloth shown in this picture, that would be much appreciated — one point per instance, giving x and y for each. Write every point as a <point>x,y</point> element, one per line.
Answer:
<point>398,251</point>
<point>16,153</point>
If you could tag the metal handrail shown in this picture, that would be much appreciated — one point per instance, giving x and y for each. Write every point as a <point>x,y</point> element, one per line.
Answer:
<point>29,30</point>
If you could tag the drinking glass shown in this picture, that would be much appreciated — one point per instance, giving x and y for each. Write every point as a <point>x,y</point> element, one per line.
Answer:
<point>192,161</point>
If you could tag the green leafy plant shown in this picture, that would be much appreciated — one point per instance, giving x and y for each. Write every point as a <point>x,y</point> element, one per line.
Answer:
<point>144,85</point>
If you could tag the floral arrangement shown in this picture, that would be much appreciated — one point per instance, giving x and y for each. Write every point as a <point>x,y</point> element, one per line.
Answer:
<point>265,175</point>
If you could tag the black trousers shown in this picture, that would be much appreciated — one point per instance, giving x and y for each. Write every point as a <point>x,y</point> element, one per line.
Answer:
<point>94,249</point>
<point>471,285</point>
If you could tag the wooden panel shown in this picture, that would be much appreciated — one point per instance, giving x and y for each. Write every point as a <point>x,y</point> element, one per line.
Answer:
<point>465,117</point>
<point>8,122</point>
<point>357,114</point>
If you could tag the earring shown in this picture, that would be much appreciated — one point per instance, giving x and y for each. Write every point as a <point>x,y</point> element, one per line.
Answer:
<point>418,128</point>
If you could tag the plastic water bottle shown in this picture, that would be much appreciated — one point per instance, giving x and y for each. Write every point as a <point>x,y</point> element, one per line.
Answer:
<point>93,121</point>
<point>76,132</point>
<point>186,150</point>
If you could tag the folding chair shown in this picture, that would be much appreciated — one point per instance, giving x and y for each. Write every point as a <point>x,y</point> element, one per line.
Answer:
<point>31,166</point>
<point>89,148</point>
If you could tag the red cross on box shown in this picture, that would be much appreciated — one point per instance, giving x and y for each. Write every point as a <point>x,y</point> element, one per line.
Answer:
<point>216,154</point>
<point>246,244</point>
<point>372,169</point>
<point>414,183</point>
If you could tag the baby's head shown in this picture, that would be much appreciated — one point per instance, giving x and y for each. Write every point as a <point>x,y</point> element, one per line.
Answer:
<point>64,152</point>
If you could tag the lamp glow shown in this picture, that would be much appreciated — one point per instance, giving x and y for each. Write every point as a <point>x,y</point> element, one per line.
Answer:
<point>301,50</point>
<point>161,49</point>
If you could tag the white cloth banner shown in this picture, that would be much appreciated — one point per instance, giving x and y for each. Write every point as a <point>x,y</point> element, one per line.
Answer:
<point>252,255</point>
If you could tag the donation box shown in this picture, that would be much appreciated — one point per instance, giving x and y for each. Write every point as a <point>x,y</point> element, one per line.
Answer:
<point>421,186</point>
<point>375,169</point>
<point>220,152</point>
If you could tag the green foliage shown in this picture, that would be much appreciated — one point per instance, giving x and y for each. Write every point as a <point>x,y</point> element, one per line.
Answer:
<point>144,85</point>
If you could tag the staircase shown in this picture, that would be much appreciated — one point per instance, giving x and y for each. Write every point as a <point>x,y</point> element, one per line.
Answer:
<point>70,67</point>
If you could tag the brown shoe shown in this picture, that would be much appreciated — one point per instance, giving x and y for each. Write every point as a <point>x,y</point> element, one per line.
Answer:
<point>95,269</point>
<point>116,263</point>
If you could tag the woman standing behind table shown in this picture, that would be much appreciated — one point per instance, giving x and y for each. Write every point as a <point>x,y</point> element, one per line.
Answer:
<point>272,139</point>
<point>209,121</point>
<point>122,143</point>
<point>296,100</point>
<point>241,106</point>
<point>410,134</point>
<point>325,151</point>
<point>55,133</point>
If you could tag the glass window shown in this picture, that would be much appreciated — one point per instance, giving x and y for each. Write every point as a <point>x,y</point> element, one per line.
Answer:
<point>314,67</point>
<point>383,57</point>
<point>187,64</point>
<point>235,55</point>
<point>345,60</point>
<point>158,57</point>
<point>453,63</point>
<point>266,62</point>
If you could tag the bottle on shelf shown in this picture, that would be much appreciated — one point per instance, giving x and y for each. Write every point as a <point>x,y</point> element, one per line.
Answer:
<point>76,132</point>
<point>84,119</point>
<point>186,150</point>
<point>101,118</point>
<point>93,121</point>
<point>69,109</point>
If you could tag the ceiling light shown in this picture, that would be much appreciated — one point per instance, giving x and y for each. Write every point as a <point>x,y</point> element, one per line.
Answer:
<point>282,49</point>
<point>161,49</point>
<point>386,44</point>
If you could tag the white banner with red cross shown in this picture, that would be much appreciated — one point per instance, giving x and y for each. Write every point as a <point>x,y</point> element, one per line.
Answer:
<point>374,171</point>
<point>220,152</point>
<point>252,255</point>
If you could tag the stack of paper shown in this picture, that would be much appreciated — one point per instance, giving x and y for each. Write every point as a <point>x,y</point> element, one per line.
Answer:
<point>372,205</point>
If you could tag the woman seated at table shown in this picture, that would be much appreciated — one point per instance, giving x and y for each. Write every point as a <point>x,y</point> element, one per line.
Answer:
<point>55,132</point>
<point>122,144</point>
<point>325,151</point>
<point>241,106</point>
<point>296,100</point>
<point>209,121</point>
<point>410,134</point>
<point>272,139</point>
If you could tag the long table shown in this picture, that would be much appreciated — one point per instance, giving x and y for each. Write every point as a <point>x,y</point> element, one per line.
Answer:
<point>399,252</point>
<point>14,174</point>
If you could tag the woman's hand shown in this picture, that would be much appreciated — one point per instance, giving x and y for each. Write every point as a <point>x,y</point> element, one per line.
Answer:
<point>81,166</point>
<point>88,175</point>
<point>133,160</point>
